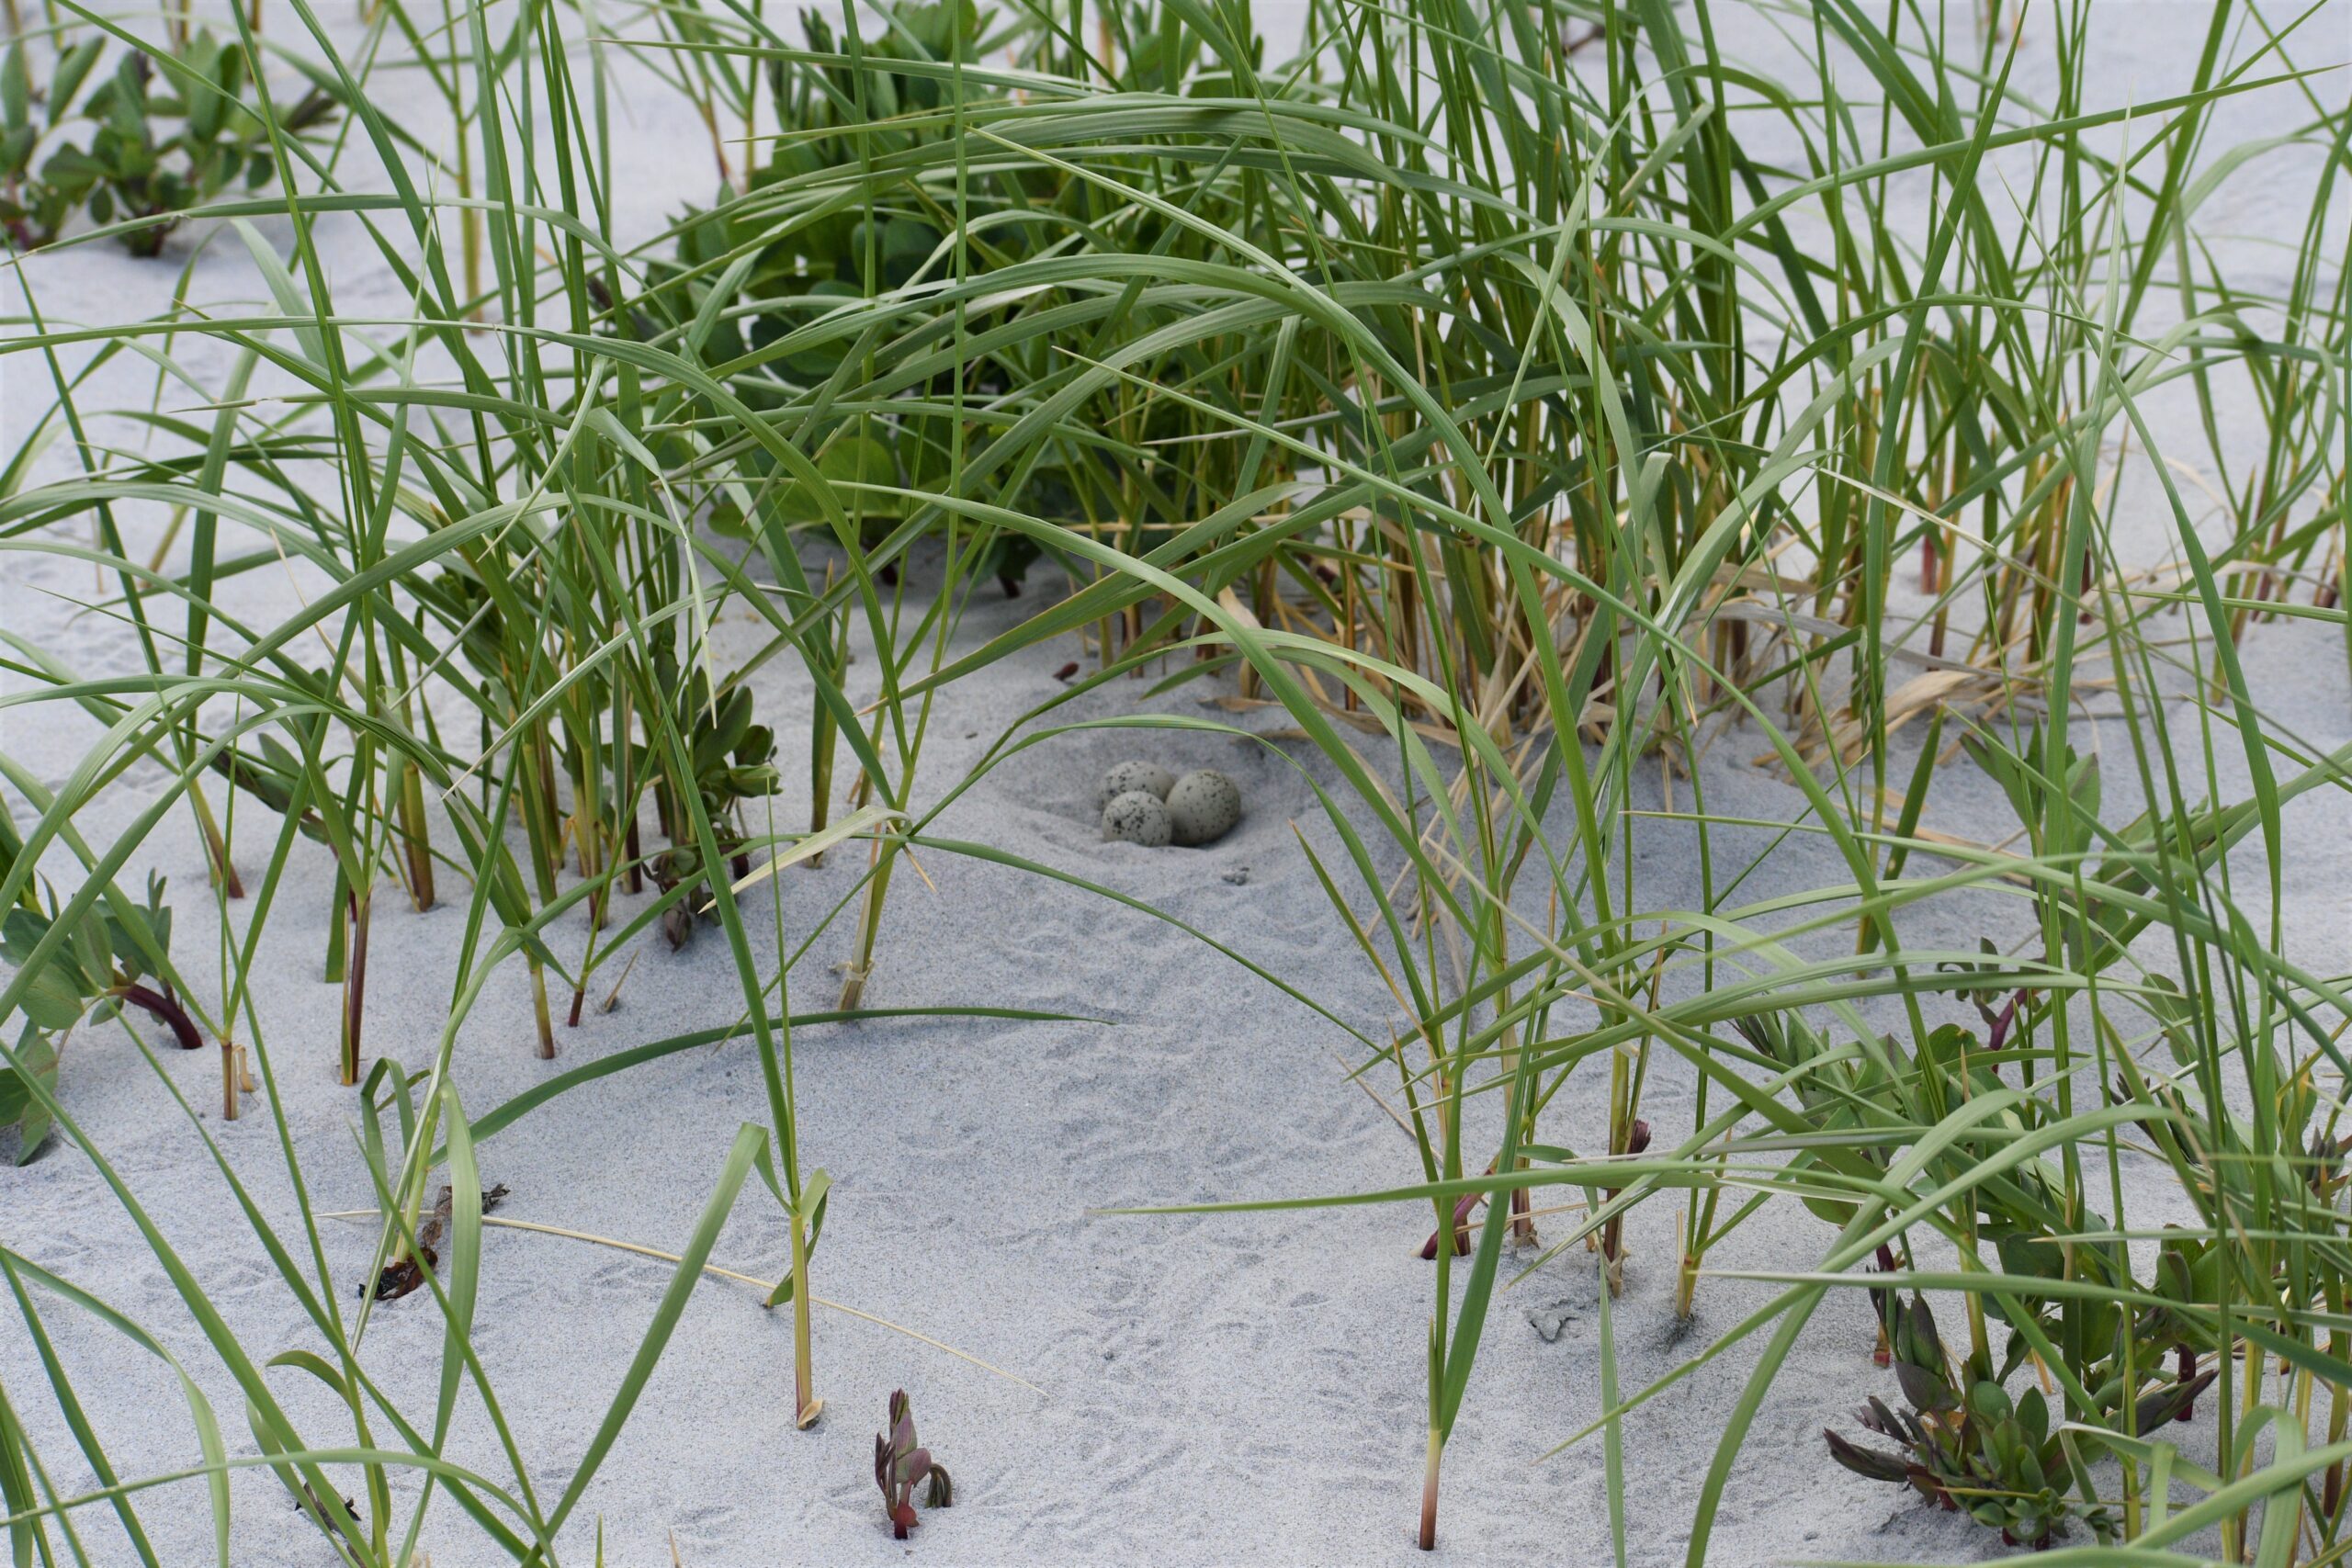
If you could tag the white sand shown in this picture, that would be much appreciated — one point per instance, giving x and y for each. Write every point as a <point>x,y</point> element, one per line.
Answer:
<point>1213,1389</point>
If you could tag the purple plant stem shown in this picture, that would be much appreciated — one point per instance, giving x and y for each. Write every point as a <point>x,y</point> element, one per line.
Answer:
<point>168,1010</point>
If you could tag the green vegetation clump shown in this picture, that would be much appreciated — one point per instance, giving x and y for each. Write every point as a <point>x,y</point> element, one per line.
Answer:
<point>80,975</point>
<point>1505,414</point>
<point>154,150</point>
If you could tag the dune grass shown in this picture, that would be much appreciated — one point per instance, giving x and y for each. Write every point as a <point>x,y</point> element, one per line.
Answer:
<point>1519,398</point>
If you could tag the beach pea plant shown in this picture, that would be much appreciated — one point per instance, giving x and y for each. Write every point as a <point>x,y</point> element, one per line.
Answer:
<point>155,149</point>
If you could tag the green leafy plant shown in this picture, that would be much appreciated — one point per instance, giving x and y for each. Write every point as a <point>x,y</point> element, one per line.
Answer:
<point>733,761</point>
<point>753,285</point>
<point>103,968</point>
<point>1967,1446</point>
<point>1982,1452</point>
<point>155,151</point>
<point>832,117</point>
<point>1534,421</point>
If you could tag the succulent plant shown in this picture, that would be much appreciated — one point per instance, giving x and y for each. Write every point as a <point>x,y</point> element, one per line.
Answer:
<point>1966,1446</point>
<point>102,968</point>
<point>834,117</point>
<point>156,150</point>
<point>900,1465</point>
<point>733,761</point>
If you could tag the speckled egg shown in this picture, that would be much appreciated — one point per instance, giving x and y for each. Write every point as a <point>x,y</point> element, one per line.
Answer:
<point>1137,817</point>
<point>1132,775</point>
<point>1203,807</point>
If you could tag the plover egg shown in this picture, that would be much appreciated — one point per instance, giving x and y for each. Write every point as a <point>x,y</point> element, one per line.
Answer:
<point>1137,817</point>
<point>1135,774</point>
<point>1203,807</point>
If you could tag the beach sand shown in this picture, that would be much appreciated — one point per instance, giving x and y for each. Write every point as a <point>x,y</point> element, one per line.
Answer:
<point>1242,1388</point>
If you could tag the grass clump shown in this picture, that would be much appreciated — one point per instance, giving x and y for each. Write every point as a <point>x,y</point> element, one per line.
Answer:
<point>1522,401</point>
